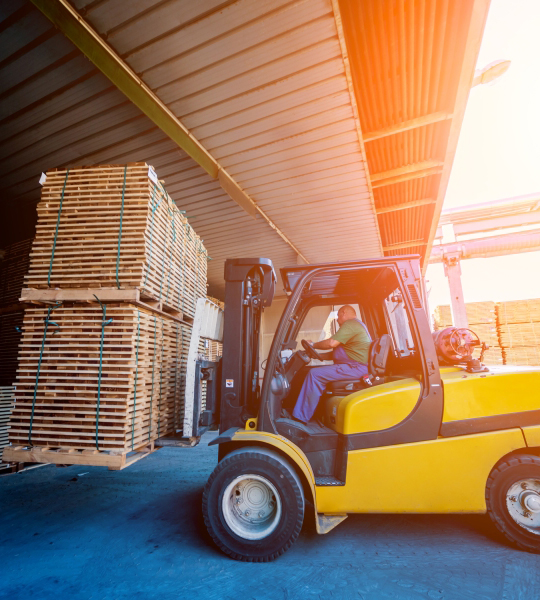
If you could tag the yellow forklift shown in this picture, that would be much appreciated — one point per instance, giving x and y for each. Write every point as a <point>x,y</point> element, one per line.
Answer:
<point>430,429</point>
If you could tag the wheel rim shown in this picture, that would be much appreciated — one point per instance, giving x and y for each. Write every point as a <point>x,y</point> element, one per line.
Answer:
<point>251,507</point>
<point>523,503</point>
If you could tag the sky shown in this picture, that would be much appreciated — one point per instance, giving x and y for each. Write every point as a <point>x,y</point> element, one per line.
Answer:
<point>498,153</point>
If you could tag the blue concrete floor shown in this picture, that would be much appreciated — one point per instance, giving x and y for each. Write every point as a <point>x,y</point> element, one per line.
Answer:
<point>86,532</point>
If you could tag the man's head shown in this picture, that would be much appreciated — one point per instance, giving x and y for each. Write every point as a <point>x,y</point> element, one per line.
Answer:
<point>345,313</point>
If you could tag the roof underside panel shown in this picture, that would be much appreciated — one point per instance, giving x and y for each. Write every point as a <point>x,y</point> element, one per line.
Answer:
<point>278,92</point>
<point>261,85</point>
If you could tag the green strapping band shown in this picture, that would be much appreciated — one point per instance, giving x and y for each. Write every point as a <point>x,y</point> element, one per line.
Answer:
<point>57,226</point>
<point>104,323</point>
<point>47,322</point>
<point>152,392</point>
<point>120,229</point>
<point>136,377</point>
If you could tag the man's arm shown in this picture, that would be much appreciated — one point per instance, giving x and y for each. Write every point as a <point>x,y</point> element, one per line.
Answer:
<point>328,344</point>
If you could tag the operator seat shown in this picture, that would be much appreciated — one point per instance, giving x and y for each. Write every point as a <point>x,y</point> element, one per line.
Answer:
<point>379,351</point>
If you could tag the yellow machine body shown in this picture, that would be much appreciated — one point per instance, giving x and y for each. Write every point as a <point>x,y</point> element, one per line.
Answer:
<point>372,409</point>
<point>443,475</point>
<point>500,391</point>
<point>446,475</point>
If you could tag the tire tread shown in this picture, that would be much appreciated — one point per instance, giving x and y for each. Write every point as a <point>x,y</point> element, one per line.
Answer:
<point>223,464</point>
<point>499,470</point>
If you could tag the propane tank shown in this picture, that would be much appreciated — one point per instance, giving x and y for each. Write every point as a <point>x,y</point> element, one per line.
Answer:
<point>455,345</point>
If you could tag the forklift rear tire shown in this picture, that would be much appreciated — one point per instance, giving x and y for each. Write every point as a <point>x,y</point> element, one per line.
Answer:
<point>513,500</point>
<point>253,505</point>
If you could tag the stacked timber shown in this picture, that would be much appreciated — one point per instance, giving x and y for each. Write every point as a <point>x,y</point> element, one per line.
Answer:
<point>115,227</point>
<point>482,320</point>
<point>7,397</point>
<point>214,350</point>
<point>110,378</point>
<point>115,273</point>
<point>13,269</point>
<point>518,323</point>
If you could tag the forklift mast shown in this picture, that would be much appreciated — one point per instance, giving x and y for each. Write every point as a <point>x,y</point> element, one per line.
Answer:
<point>250,285</point>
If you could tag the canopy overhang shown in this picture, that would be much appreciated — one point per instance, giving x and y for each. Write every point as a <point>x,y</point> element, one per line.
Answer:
<point>305,131</point>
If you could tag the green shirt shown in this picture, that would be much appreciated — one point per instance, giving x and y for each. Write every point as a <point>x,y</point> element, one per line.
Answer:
<point>354,338</point>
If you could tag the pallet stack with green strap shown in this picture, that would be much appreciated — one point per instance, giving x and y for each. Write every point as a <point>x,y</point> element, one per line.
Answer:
<point>115,272</point>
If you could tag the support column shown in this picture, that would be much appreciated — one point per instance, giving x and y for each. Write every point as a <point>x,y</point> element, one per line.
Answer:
<point>452,270</point>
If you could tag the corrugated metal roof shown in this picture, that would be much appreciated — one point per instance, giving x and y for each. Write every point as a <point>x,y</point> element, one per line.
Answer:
<point>413,63</point>
<point>266,90</point>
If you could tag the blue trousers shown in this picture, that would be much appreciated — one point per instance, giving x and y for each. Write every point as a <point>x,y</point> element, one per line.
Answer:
<point>316,381</point>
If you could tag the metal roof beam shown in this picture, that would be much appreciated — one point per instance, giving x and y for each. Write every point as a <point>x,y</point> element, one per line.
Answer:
<point>424,168</point>
<point>75,28</point>
<point>407,244</point>
<point>436,117</point>
<point>405,205</point>
<point>485,225</point>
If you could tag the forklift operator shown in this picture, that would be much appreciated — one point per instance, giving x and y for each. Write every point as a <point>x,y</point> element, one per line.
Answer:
<point>350,351</point>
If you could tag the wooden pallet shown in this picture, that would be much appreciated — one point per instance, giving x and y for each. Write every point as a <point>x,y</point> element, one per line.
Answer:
<point>13,270</point>
<point>133,296</point>
<point>493,356</point>
<point>7,398</point>
<point>520,334</point>
<point>213,350</point>
<point>518,311</point>
<point>72,456</point>
<point>160,254</point>
<point>477,313</point>
<point>140,399</point>
<point>10,336</point>
<point>524,355</point>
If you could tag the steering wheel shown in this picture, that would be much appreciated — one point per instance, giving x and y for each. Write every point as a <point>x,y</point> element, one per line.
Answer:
<point>311,352</point>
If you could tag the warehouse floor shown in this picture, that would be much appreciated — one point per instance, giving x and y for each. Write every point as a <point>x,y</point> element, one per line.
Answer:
<point>85,532</point>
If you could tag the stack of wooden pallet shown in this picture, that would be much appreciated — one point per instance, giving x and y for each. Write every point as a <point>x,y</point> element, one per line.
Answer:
<point>518,323</point>
<point>214,350</point>
<point>115,227</point>
<point>7,397</point>
<point>13,269</point>
<point>114,276</point>
<point>482,320</point>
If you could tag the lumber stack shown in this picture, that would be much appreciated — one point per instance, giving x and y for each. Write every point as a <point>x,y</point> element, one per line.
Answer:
<point>482,320</point>
<point>115,273</point>
<point>518,323</point>
<point>115,227</point>
<point>7,397</point>
<point>215,350</point>
<point>134,397</point>
<point>10,336</point>
<point>477,313</point>
<point>13,269</point>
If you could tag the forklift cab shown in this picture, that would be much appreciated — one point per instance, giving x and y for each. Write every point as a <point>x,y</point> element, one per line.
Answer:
<point>401,399</point>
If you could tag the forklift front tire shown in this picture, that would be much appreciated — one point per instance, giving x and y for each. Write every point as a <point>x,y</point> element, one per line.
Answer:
<point>513,500</point>
<point>253,505</point>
